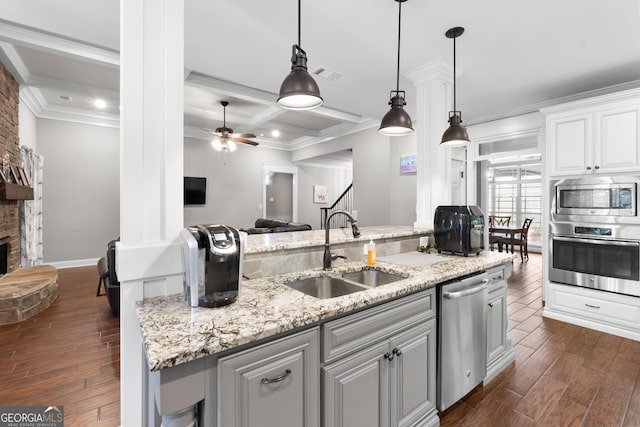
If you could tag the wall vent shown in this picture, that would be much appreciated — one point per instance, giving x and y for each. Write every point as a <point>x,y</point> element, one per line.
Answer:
<point>62,97</point>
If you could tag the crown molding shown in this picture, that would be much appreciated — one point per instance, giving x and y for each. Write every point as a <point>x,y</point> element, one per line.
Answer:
<point>40,40</point>
<point>13,62</point>
<point>333,132</point>
<point>70,88</point>
<point>610,93</point>
<point>32,99</point>
<point>437,69</point>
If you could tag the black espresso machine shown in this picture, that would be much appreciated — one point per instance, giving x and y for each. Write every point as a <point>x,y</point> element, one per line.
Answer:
<point>212,257</point>
<point>459,229</point>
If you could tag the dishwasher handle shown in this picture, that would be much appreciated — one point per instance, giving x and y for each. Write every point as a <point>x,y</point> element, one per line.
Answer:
<point>454,295</point>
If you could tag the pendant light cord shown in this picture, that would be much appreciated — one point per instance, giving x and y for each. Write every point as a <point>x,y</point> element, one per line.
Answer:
<point>299,45</point>
<point>454,74</point>
<point>398,67</point>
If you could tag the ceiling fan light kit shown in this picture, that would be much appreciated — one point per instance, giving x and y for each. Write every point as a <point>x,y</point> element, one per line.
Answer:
<point>456,135</point>
<point>397,121</point>
<point>226,146</point>
<point>225,140</point>
<point>299,91</point>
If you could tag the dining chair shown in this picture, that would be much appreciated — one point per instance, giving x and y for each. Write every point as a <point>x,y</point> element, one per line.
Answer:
<point>497,221</point>
<point>519,239</point>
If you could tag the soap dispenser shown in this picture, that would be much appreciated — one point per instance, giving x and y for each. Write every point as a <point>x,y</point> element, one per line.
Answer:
<point>371,253</point>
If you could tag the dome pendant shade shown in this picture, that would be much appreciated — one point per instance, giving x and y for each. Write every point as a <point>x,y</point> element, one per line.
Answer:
<point>456,135</point>
<point>298,90</point>
<point>397,121</point>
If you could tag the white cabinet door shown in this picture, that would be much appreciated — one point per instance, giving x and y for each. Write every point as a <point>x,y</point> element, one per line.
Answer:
<point>276,384</point>
<point>413,374</point>
<point>496,325</point>
<point>617,143</point>
<point>602,137</point>
<point>356,389</point>
<point>570,144</point>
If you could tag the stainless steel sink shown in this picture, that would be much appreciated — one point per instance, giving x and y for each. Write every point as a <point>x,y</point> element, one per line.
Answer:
<point>325,287</point>
<point>372,278</point>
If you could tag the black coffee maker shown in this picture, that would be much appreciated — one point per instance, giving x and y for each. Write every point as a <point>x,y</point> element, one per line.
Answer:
<point>212,257</point>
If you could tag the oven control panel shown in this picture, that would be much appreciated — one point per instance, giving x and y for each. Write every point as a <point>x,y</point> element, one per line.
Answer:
<point>593,231</point>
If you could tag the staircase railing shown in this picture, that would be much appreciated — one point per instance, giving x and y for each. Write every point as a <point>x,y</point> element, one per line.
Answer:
<point>343,203</point>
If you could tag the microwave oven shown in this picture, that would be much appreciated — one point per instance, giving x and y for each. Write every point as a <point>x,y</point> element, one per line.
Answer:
<point>595,196</point>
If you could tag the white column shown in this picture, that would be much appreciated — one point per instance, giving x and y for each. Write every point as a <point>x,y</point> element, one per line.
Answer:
<point>151,169</point>
<point>433,83</point>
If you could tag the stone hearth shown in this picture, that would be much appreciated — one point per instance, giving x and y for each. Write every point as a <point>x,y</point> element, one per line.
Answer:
<point>26,292</point>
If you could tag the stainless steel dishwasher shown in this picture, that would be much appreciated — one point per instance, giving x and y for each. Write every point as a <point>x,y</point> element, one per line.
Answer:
<point>462,337</point>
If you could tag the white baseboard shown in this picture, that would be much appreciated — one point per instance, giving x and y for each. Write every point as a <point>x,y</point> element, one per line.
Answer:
<point>590,324</point>
<point>74,263</point>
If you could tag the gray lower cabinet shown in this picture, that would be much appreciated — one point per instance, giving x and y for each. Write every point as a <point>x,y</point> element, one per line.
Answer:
<point>382,376</point>
<point>499,347</point>
<point>275,384</point>
<point>496,322</point>
<point>357,389</point>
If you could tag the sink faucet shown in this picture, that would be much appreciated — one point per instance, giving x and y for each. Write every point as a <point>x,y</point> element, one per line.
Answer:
<point>328,257</point>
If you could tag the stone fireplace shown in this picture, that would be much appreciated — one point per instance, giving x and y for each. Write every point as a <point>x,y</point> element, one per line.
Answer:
<point>9,151</point>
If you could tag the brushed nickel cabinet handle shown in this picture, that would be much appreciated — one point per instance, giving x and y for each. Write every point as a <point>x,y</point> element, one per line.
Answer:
<point>397,352</point>
<point>388,356</point>
<point>592,306</point>
<point>277,379</point>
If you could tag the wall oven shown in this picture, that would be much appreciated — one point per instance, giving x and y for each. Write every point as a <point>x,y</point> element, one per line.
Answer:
<point>596,197</point>
<point>602,256</point>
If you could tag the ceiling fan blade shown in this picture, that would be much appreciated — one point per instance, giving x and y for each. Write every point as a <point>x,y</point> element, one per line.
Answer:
<point>211,131</point>
<point>242,135</point>
<point>244,141</point>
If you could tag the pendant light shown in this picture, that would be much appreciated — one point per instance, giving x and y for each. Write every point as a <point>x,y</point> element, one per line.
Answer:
<point>456,135</point>
<point>397,121</point>
<point>298,90</point>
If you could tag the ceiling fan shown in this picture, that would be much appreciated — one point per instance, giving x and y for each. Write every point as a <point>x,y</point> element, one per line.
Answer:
<point>225,138</point>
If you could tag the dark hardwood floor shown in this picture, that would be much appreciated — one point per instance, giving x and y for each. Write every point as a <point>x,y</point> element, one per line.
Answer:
<point>564,375</point>
<point>67,355</point>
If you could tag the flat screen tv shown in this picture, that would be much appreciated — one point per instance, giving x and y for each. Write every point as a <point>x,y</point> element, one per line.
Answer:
<point>195,190</point>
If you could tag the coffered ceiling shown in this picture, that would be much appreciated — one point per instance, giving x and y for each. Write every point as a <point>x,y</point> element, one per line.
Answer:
<point>512,58</point>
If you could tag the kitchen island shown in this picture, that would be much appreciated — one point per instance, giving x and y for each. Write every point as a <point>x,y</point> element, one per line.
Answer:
<point>192,353</point>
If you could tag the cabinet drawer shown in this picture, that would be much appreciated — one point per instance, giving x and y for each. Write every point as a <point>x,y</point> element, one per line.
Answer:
<point>275,384</point>
<point>356,331</point>
<point>610,308</point>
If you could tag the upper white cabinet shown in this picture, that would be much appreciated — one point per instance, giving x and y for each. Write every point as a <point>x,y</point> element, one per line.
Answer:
<point>593,136</point>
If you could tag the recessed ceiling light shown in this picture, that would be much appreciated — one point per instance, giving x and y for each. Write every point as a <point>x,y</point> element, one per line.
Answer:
<point>275,133</point>
<point>100,104</point>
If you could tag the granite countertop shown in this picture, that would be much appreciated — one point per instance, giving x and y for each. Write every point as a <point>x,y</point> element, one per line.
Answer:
<point>269,242</point>
<point>174,333</point>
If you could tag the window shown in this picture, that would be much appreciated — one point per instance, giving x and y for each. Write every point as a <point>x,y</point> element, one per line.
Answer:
<point>515,189</point>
